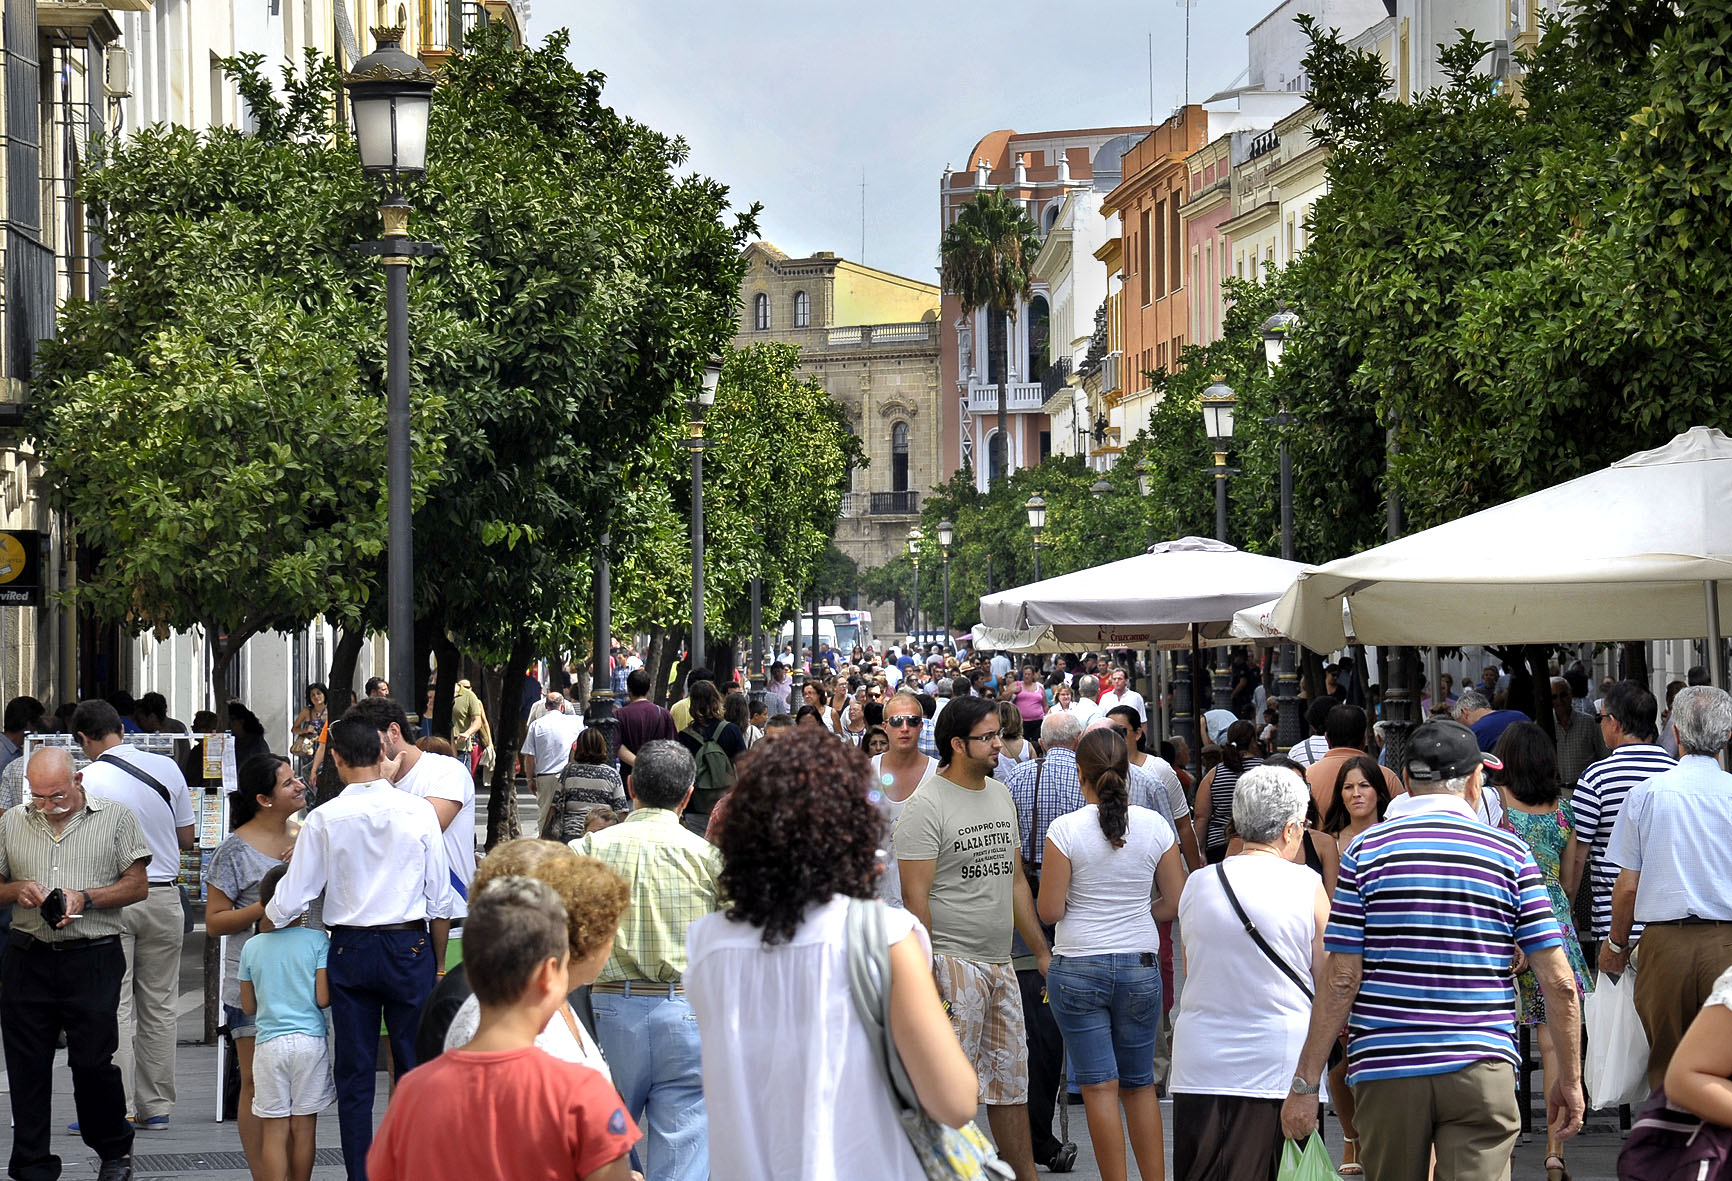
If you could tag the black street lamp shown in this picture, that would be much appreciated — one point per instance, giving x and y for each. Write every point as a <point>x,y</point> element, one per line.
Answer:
<point>1036,507</point>
<point>700,406</point>
<point>1219,401</point>
<point>1290,724</point>
<point>914,539</point>
<point>946,535</point>
<point>1100,488</point>
<point>391,97</point>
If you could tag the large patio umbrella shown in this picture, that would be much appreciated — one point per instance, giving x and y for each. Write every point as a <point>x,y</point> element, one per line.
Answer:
<point>1154,598</point>
<point>1639,551</point>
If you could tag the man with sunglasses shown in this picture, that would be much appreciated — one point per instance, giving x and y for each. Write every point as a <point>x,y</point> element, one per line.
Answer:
<point>960,864</point>
<point>895,775</point>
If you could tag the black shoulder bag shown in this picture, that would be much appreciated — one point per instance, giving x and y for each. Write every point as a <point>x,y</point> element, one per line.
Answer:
<point>1287,969</point>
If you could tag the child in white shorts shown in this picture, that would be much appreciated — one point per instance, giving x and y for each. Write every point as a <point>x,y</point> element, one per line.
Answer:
<point>283,981</point>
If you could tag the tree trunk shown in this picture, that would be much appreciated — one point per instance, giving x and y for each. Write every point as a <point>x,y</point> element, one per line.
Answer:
<point>1635,662</point>
<point>682,668</point>
<point>1539,701</point>
<point>222,656</point>
<point>502,822</point>
<point>344,655</point>
<point>655,662</point>
<point>450,663</point>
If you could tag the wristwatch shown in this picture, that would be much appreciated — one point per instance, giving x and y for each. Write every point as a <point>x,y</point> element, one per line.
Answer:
<point>1301,1087</point>
<point>88,905</point>
<point>1615,948</point>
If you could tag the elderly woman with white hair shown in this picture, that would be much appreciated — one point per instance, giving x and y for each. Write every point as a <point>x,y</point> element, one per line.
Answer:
<point>1246,1006</point>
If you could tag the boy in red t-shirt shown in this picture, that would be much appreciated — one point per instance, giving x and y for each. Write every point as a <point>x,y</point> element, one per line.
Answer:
<point>499,1107</point>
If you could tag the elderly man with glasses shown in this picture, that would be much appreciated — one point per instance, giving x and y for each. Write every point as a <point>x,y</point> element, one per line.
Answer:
<point>1580,743</point>
<point>958,856</point>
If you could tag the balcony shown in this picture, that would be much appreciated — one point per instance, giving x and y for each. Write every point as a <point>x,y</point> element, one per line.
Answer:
<point>880,504</point>
<point>1021,397</point>
<point>867,335</point>
<point>1111,383</point>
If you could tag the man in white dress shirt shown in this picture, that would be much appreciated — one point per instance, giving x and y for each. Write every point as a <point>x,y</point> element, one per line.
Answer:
<point>547,749</point>
<point>442,781</point>
<point>1121,693</point>
<point>379,856</point>
<point>154,790</point>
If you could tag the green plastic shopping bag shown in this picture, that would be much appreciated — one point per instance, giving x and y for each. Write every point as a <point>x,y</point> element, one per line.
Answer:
<point>1309,1162</point>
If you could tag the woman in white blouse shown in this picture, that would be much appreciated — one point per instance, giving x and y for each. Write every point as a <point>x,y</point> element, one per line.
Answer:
<point>792,1085</point>
<point>1242,1018</point>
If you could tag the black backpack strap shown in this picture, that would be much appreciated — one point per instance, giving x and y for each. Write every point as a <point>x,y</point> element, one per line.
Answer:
<point>1257,936</point>
<point>138,773</point>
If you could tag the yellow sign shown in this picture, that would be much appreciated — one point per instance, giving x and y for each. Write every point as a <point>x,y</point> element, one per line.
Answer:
<point>12,558</point>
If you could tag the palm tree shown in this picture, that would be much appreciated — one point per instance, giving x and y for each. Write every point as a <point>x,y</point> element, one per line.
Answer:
<point>987,255</point>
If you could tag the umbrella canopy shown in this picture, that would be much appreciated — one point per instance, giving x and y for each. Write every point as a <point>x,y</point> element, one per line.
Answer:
<point>1628,553</point>
<point>1257,624</point>
<point>1154,598</point>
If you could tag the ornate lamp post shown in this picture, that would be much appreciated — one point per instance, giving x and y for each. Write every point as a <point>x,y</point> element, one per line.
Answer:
<point>1036,507</point>
<point>704,398</point>
<point>391,95</point>
<point>1219,401</point>
<point>946,535</point>
<point>1290,727</point>
<point>914,539</point>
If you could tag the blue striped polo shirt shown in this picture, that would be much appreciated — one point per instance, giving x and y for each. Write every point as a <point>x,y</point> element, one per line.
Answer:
<point>1436,902</point>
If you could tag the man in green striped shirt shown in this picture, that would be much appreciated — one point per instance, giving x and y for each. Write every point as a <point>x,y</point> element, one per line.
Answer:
<point>66,976</point>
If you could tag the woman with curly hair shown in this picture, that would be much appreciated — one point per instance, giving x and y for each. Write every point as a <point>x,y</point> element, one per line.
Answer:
<point>594,897</point>
<point>768,979</point>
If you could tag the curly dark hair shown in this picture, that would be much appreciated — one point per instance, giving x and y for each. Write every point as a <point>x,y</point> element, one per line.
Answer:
<point>798,830</point>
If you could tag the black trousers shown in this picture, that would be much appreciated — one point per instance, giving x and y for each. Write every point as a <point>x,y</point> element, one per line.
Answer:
<point>78,991</point>
<point>1045,1059</point>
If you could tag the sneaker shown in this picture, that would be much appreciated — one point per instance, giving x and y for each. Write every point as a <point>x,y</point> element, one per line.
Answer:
<point>131,1119</point>
<point>155,1123</point>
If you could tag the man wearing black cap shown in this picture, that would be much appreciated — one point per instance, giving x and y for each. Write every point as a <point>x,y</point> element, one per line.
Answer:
<point>1431,908</point>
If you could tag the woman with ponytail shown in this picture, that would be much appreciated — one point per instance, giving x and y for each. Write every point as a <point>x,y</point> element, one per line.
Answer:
<point>1101,866</point>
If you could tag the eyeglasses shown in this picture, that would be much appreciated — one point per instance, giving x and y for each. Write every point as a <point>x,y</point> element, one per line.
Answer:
<point>995,736</point>
<point>903,721</point>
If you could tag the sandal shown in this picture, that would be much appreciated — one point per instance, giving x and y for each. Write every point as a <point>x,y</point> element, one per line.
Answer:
<point>1556,1172</point>
<point>1351,1168</point>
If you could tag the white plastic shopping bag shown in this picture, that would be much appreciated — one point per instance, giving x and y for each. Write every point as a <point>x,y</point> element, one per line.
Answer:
<point>1617,1065</point>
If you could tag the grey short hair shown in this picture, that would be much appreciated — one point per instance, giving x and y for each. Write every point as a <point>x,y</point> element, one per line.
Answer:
<point>1702,715</point>
<point>1266,800</point>
<point>1089,686</point>
<point>1470,699</point>
<point>1062,728</point>
<point>663,773</point>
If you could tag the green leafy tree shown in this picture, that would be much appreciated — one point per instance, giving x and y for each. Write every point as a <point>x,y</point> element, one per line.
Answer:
<point>987,258</point>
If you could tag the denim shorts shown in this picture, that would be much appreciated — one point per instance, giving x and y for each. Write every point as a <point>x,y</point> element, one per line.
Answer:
<point>1108,1007</point>
<point>240,1025</point>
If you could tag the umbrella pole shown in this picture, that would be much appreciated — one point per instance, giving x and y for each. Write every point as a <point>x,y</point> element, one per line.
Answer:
<point>1716,665</point>
<point>1158,687</point>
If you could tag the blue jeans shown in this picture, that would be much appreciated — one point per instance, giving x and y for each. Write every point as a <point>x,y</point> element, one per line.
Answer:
<point>651,1045</point>
<point>372,973</point>
<point>1109,1009</point>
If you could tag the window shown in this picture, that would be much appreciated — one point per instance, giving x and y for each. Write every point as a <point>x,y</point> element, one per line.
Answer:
<point>1158,251</point>
<point>899,457</point>
<point>802,310</point>
<point>761,313</point>
<point>1175,235</point>
<point>1142,240</point>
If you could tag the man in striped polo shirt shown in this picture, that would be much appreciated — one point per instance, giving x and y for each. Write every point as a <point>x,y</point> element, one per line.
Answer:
<point>1431,910</point>
<point>1626,720</point>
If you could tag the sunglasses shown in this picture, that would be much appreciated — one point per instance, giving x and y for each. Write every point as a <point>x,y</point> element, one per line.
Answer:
<point>903,721</point>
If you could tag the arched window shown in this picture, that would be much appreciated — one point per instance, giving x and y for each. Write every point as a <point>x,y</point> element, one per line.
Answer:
<point>761,312</point>
<point>899,457</point>
<point>802,310</point>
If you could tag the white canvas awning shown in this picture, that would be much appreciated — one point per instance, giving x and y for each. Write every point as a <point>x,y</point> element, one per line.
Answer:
<point>1153,598</point>
<point>1639,551</point>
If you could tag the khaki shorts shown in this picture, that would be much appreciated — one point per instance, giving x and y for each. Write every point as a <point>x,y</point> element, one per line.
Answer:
<point>985,1008</point>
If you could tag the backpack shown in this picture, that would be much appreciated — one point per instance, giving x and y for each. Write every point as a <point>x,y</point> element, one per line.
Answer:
<point>1666,1144</point>
<point>715,769</point>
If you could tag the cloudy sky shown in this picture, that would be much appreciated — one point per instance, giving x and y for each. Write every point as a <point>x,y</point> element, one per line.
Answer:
<point>788,104</point>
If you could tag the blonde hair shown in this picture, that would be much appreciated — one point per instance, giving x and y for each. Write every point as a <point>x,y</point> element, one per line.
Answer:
<point>594,896</point>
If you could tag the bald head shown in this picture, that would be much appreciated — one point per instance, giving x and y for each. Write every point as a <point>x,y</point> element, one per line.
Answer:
<point>55,786</point>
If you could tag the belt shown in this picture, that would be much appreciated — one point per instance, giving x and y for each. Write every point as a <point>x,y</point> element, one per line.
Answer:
<point>653,988</point>
<point>163,885</point>
<point>1688,921</point>
<point>21,941</point>
<point>411,925</point>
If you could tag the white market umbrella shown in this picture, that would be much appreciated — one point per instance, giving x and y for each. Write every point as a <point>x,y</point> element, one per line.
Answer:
<point>1639,551</point>
<point>1154,598</point>
<point>1257,624</point>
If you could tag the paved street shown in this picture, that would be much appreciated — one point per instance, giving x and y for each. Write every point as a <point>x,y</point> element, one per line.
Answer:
<point>199,1147</point>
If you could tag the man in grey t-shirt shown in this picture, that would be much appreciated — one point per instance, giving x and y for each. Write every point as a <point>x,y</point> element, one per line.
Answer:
<point>961,867</point>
